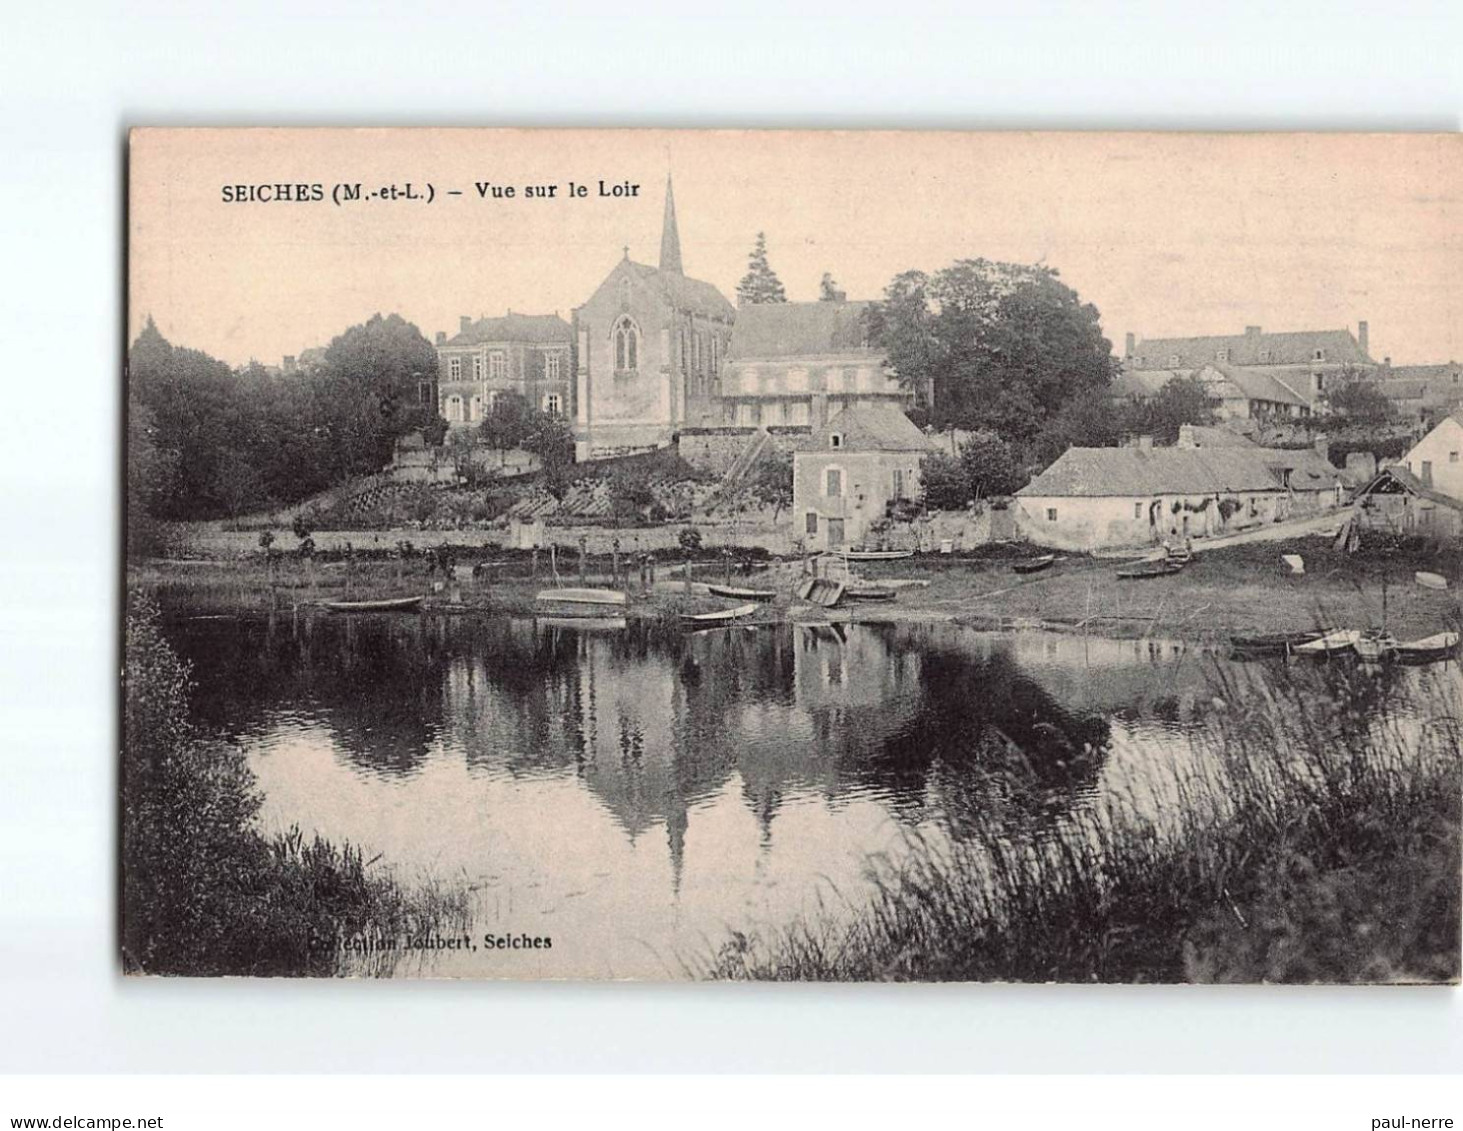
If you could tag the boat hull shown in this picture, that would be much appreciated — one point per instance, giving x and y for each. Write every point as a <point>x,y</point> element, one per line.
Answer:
<point>821,591</point>
<point>877,555</point>
<point>1036,565</point>
<point>389,605</point>
<point>592,598</point>
<point>720,616</point>
<point>738,594</point>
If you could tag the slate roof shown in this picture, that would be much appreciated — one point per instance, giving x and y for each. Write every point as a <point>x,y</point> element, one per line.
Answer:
<point>872,428</point>
<point>1141,383</point>
<point>793,329</point>
<point>1412,484</point>
<point>1309,470</point>
<point>691,295</point>
<point>1260,383</point>
<point>1296,347</point>
<point>1444,372</point>
<point>537,328</point>
<point>1136,472</point>
<point>1207,436</point>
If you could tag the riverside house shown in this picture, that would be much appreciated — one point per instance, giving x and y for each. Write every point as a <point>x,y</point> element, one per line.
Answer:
<point>1437,459</point>
<point>865,458</point>
<point>1098,498</point>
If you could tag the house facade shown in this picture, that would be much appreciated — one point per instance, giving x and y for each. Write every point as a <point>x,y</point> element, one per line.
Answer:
<point>1398,502</point>
<point>865,458</point>
<point>1098,498</point>
<point>530,355</point>
<point>1437,459</point>
<point>1305,362</point>
<point>1422,392</point>
<point>650,343</point>
<point>800,364</point>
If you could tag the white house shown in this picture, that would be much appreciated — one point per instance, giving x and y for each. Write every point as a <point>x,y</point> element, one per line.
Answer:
<point>1436,460</point>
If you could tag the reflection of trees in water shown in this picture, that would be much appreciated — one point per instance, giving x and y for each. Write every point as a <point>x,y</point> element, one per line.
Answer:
<point>654,725</point>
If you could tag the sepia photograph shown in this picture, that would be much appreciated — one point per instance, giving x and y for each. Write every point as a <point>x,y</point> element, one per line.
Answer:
<point>792,555</point>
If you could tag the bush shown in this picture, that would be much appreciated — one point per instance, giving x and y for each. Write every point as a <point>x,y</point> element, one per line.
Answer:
<point>689,539</point>
<point>203,891</point>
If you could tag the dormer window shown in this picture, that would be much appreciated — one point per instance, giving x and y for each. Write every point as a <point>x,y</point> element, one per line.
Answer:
<point>1173,360</point>
<point>1221,355</point>
<point>1264,357</point>
<point>835,440</point>
<point>1320,355</point>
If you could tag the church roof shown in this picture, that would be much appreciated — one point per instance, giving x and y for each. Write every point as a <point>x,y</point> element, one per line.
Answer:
<point>539,328</point>
<point>690,295</point>
<point>793,329</point>
<point>872,428</point>
<point>670,235</point>
<point>1297,347</point>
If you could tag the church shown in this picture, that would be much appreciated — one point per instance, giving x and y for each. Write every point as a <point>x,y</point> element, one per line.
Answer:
<point>650,343</point>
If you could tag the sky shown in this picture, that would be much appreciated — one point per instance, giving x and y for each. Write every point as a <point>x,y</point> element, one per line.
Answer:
<point>1167,234</point>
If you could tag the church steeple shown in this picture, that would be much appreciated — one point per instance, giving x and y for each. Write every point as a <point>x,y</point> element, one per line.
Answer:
<point>670,237</point>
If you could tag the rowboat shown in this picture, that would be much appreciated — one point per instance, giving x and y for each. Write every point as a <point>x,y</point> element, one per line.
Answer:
<point>821,591</point>
<point>1431,580</point>
<point>1373,647</point>
<point>387,605</point>
<point>581,597</point>
<point>1428,650</point>
<point>877,555</point>
<point>1033,565</point>
<point>720,615</point>
<point>1343,640</point>
<point>1272,644</point>
<point>869,593</point>
<point>738,594</point>
<point>1160,568</point>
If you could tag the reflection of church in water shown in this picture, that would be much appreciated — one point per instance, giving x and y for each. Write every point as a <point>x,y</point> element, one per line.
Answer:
<point>775,713</point>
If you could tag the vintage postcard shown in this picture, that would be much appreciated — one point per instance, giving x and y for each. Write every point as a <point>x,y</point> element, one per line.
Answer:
<point>804,555</point>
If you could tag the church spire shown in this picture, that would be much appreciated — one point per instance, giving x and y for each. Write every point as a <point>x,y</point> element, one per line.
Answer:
<point>670,237</point>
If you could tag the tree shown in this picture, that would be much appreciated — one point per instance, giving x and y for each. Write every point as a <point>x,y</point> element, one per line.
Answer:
<point>990,466</point>
<point>1184,400</point>
<point>771,482</point>
<point>507,423</point>
<point>240,486</point>
<point>630,492</point>
<point>760,284</point>
<point>946,484</point>
<point>1003,346</point>
<point>1355,398</point>
<point>828,290</point>
<point>150,473</point>
<point>550,439</point>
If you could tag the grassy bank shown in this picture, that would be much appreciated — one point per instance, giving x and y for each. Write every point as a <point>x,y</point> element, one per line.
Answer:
<point>1320,842</point>
<point>204,891</point>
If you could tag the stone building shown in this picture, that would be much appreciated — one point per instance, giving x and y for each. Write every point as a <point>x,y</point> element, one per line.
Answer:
<point>801,363</point>
<point>527,354</point>
<point>865,458</point>
<point>650,344</point>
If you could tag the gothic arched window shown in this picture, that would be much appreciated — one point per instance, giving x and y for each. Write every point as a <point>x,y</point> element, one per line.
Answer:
<point>626,338</point>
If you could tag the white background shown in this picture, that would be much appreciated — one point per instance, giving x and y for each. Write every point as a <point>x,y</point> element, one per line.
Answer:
<point>74,77</point>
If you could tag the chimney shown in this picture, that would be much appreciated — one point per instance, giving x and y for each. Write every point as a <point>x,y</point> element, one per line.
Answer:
<point>441,337</point>
<point>1131,345</point>
<point>1361,337</point>
<point>463,322</point>
<point>289,363</point>
<point>1323,448</point>
<point>1252,331</point>
<point>1386,363</point>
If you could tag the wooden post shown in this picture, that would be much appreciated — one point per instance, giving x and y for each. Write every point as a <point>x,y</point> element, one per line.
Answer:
<point>615,563</point>
<point>533,564</point>
<point>687,568</point>
<point>583,541</point>
<point>727,557</point>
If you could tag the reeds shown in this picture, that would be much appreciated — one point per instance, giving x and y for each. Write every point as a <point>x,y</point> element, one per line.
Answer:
<point>1312,835</point>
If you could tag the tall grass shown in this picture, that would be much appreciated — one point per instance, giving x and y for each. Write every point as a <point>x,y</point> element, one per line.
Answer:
<point>1312,837</point>
<point>204,891</point>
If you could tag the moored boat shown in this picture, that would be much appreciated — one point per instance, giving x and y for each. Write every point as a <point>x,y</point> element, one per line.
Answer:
<point>1033,565</point>
<point>1431,580</point>
<point>1342,640</point>
<point>385,605</point>
<point>720,615</point>
<point>1271,643</point>
<point>877,555</point>
<point>570,596</point>
<point>869,592</point>
<point>821,591</point>
<point>1428,650</point>
<point>738,594</point>
<point>1373,647</point>
<point>1144,570</point>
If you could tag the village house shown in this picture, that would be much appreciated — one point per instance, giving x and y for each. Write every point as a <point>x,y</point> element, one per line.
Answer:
<point>1421,392</point>
<point>1306,363</point>
<point>1307,474</point>
<point>1436,461</point>
<point>1236,392</point>
<point>525,354</point>
<point>1398,502</point>
<point>864,459</point>
<point>650,345</point>
<point>1098,498</point>
<point>800,363</point>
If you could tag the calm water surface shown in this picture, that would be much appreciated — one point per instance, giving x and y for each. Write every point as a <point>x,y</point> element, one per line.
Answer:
<point>636,797</point>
